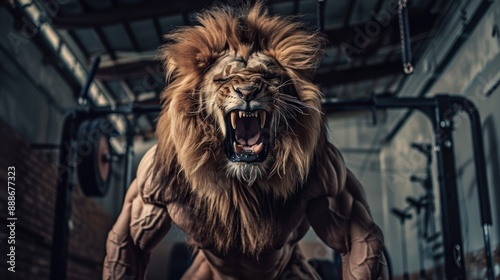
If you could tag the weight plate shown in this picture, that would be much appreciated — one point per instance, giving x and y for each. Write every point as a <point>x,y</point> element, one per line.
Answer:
<point>103,158</point>
<point>93,153</point>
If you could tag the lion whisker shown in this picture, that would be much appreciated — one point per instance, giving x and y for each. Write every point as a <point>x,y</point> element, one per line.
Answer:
<point>285,83</point>
<point>290,108</point>
<point>283,114</point>
<point>295,100</point>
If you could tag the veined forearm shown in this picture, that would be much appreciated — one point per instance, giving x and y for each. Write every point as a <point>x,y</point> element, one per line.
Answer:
<point>123,259</point>
<point>139,227</point>
<point>365,259</point>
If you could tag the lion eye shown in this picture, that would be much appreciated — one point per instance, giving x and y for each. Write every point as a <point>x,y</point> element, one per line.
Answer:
<point>221,79</point>
<point>271,76</point>
<point>273,79</point>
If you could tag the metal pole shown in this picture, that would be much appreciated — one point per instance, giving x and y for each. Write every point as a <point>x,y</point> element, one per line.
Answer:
<point>67,164</point>
<point>487,249</point>
<point>450,210</point>
<point>62,211</point>
<point>420,247</point>
<point>406,276</point>
<point>429,193</point>
<point>421,259</point>
<point>83,96</point>
<point>481,178</point>
<point>321,15</point>
<point>419,205</point>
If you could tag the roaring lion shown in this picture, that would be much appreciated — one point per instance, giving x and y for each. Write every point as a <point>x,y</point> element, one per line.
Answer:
<point>242,163</point>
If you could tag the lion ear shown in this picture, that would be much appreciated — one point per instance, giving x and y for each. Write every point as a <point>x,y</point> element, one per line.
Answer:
<point>177,63</point>
<point>205,58</point>
<point>188,53</point>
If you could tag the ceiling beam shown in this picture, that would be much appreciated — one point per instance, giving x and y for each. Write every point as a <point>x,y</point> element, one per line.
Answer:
<point>334,77</point>
<point>378,5</point>
<point>78,43</point>
<point>350,10</point>
<point>117,15</point>
<point>419,28</point>
<point>105,43</point>
<point>346,37</point>
<point>296,6</point>
<point>128,70</point>
<point>131,36</point>
<point>158,30</point>
<point>351,39</point>
<point>128,91</point>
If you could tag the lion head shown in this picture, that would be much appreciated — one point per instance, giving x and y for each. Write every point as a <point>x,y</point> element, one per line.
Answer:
<point>240,101</point>
<point>241,120</point>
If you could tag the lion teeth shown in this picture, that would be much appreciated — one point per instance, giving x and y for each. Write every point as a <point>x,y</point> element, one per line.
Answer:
<point>245,114</point>
<point>258,148</point>
<point>233,119</point>
<point>262,119</point>
<point>237,148</point>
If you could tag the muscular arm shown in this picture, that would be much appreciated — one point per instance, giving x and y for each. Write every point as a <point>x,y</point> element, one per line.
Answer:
<point>139,227</point>
<point>342,219</point>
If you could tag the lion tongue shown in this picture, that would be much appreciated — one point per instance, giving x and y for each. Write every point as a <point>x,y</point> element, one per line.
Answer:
<point>247,131</point>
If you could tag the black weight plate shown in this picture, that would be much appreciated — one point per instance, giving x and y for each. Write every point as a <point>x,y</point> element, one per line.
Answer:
<point>93,149</point>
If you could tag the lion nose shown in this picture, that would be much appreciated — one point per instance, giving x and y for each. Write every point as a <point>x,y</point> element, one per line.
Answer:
<point>246,92</point>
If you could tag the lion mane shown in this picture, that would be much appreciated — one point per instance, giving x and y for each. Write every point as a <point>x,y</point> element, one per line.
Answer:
<point>190,167</point>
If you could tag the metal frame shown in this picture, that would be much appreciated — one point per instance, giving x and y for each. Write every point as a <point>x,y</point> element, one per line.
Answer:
<point>65,183</point>
<point>403,216</point>
<point>443,64</point>
<point>440,110</point>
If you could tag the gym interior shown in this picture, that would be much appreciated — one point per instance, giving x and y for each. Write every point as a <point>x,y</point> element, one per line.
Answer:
<point>410,96</point>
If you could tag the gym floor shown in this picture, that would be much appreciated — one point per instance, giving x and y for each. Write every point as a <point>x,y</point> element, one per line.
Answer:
<point>48,49</point>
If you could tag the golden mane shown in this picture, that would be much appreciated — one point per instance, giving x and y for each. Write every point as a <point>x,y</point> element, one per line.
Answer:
<point>190,164</point>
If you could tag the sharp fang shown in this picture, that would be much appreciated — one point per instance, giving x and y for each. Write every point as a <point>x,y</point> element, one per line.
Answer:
<point>233,119</point>
<point>258,148</point>
<point>241,114</point>
<point>237,148</point>
<point>262,119</point>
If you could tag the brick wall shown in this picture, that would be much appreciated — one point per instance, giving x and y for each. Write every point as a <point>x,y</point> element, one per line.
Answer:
<point>35,199</point>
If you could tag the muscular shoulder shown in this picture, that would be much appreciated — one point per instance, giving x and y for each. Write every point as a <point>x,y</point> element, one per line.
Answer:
<point>332,180</point>
<point>328,173</point>
<point>149,191</point>
<point>144,171</point>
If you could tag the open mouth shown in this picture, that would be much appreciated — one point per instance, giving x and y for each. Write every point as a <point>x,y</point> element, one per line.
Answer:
<point>245,141</point>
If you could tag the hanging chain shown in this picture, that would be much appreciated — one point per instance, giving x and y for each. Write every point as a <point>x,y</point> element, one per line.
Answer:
<point>404,31</point>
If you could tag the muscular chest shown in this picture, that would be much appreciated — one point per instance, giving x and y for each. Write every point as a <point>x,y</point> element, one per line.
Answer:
<point>282,223</point>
